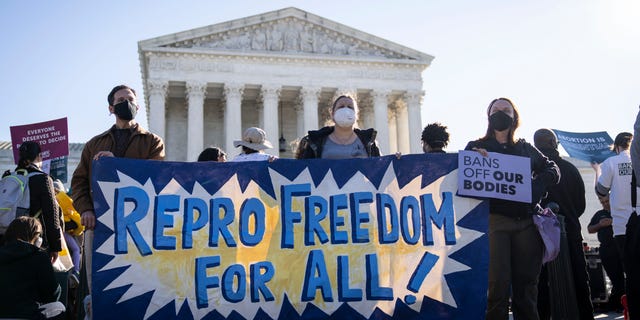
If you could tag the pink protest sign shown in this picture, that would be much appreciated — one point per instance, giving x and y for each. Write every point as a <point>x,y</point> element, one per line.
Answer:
<point>51,135</point>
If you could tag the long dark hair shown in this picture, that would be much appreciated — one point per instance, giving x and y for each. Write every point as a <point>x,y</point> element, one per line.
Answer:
<point>516,122</point>
<point>29,151</point>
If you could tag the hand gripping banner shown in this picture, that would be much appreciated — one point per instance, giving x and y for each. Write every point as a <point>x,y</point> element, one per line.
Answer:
<point>373,238</point>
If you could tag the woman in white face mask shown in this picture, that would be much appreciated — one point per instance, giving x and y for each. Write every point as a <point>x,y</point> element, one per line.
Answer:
<point>342,141</point>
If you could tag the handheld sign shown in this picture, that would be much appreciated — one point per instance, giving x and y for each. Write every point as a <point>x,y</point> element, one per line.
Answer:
<point>498,175</point>
<point>51,135</point>
<point>589,146</point>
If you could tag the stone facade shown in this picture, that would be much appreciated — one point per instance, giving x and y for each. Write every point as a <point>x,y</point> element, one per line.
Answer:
<point>281,71</point>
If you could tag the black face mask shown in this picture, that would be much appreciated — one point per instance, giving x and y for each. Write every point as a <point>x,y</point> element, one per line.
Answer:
<point>125,110</point>
<point>500,121</point>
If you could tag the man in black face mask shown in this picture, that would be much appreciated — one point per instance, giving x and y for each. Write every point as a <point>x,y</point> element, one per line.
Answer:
<point>569,194</point>
<point>126,139</point>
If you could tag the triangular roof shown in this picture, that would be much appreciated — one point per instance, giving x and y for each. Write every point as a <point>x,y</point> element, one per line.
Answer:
<point>285,32</point>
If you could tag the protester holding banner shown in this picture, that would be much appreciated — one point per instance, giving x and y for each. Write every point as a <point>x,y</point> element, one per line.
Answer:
<point>569,194</point>
<point>212,154</point>
<point>254,142</point>
<point>126,139</point>
<point>26,274</point>
<point>434,138</point>
<point>42,199</point>
<point>342,141</point>
<point>515,246</point>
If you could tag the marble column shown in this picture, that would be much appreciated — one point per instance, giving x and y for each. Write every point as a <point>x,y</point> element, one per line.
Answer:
<point>366,113</point>
<point>196,92</point>
<point>157,105</point>
<point>298,107</point>
<point>393,132</point>
<point>402,118</point>
<point>310,106</point>
<point>414,102</point>
<point>232,116</point>
<point>381,119</point>
<point>270,95</point>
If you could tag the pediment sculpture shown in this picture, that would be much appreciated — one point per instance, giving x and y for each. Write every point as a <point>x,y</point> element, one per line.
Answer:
<point>289,36</point>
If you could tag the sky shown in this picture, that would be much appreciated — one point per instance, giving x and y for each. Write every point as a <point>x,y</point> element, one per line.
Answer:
<point>572,65</point>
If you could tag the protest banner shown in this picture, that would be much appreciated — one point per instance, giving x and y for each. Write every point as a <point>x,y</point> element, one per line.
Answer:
<point>588,146</point>
<point>51,135</point>
<point>498,175</point>
<point>377,238</point>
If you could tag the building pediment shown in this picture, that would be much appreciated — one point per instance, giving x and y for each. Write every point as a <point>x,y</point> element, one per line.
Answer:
<point>286,32</point>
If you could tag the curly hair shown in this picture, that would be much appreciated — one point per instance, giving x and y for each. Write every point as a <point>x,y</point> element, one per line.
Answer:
<point>435,135</point>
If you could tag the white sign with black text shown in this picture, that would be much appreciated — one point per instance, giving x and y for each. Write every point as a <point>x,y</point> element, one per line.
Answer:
<point>497,175</point>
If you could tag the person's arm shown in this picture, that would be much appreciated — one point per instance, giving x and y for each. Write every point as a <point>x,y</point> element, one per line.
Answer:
<point>43,198</point>
<point>157,149</point>
<point>546,173</point>
<point>597,170</point>
<point>51,216</point>
<point>635,148</point>
<point>605,178</point>
<point>81,189</point>
<point>602,223</point>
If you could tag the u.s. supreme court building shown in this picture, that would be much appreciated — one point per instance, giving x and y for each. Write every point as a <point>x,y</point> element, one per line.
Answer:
<point>280,71</point>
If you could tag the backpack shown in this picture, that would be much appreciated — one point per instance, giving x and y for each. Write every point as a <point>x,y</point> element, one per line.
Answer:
<point>14,196</point>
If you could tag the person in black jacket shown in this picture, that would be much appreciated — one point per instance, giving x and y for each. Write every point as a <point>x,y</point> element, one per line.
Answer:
<point>26,274</point>
<point>43,204</point>
<point>515,246</point>
<point>608,252</point>
<point>342,141</point>
<point>569,194</point>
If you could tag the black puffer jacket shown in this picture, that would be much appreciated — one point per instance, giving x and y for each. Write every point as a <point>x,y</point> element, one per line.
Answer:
<point>546,171</point>
<point>311,145</point>
<point>26,279</point>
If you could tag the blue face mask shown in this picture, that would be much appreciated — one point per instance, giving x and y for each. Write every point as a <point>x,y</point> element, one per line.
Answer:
<point>125,110</point>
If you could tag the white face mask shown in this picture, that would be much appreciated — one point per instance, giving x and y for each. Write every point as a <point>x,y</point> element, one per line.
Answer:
<point>344,117</point>
<point>38,242</point>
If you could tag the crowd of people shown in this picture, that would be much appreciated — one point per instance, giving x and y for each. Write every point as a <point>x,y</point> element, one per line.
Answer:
<point>517,278</point>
